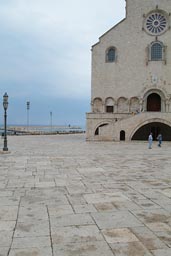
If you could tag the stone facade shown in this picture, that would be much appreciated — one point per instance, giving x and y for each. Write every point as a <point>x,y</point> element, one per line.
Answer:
<point>131,75</point>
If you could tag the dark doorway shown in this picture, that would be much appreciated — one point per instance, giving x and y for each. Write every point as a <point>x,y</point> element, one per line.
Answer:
<point>154,102</point>
<point>122,135</point>
<point>156,128</point>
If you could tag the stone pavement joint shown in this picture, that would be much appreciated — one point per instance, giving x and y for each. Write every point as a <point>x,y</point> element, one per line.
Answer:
<point>50,231</point>
<point>12,239</point>
<point>61,195</point>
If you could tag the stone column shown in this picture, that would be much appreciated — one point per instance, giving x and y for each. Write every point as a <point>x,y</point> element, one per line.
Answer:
<point>141,105</point>
<point>167,105</point>
<point>92,106</point>
<point>115,108</point>
<point>103,108</point>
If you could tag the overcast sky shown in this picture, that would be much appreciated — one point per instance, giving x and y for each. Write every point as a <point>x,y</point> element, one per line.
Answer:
<point>45,56</point>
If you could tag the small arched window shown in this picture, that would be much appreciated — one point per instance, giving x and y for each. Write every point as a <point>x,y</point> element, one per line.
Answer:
<point>109,105</point>
<point>111,55</point>
<point>156,51</point>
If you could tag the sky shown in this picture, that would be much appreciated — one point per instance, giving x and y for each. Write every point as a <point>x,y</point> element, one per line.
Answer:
<point>45,57</point>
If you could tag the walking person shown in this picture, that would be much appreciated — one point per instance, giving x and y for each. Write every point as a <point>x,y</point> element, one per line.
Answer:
<point>159,138</point>
<point>150,140</point>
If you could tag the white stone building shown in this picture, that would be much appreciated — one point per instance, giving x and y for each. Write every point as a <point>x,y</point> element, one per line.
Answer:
<point>131,75</point>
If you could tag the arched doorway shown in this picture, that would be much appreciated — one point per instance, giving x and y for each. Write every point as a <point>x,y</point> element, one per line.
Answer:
<point>156,127</point>
<point>122,135</point>
<point>97,131</point>
<point>154,102</point>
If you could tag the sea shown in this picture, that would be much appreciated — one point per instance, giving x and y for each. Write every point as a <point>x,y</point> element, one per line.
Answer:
<point>43,128</point>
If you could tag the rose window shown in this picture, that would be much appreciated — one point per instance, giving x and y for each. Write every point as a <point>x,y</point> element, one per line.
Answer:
<point>156,23</point>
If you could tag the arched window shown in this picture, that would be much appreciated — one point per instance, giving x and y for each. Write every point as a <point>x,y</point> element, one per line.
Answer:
<point>109,105</point>
<point>156,51</point>
<point>111,55</point>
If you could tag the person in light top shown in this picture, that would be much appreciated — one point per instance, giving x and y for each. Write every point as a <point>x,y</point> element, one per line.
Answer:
<point>150,140</point>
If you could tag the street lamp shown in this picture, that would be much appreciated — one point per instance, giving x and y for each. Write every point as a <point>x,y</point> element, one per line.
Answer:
<point>5,105</point>
<point>28,107</point>
<point>51,120</point>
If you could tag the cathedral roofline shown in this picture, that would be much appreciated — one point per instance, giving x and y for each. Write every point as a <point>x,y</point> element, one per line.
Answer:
<point>113,26</point>
<point>109,31</point>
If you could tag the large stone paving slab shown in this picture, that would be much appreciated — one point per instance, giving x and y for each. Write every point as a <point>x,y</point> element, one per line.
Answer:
<point>43,251</point>
<point>4,251</point>
<point>61,195</point>
<point>116,220</point>
<point>8,212</point>
<point>130,249</point>
<point>150,216</point>
<point>76,234</point>
<point>105,198</point>
<point>166,252</point>
<point>30,242</point>
<point>120,235</point>
<point>149,239</point>
<point>71,220</point>
<point>61,210</point>
<point>98,248</point>
<point>5,238</point>
<point>32,228</point>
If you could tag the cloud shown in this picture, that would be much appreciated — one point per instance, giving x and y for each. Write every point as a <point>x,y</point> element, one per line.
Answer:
<point>45,45</point>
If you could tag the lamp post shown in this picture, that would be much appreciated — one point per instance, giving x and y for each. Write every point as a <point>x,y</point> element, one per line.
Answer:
<point>51,120</point>
<point>5,105</point>
<point>28,107</point>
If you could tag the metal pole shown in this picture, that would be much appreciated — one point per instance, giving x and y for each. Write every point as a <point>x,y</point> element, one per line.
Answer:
<point>5,105</point>
<point>5,148</point>
<point>51,120</point>
<point>28,107</point>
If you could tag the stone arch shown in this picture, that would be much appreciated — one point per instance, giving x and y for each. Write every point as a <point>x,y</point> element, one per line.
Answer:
<point>122,105</point>
<point>103,130</point>
<point>97,129</point>
<point>97,105</point>
<point>148,125</point>
<point>109,105</point>
<point>134,105</point>
<point>158,92</point>
<point>154,102</point>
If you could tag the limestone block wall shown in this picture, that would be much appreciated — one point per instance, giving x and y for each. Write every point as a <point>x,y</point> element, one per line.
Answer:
<point>131,71</point>
<point>129,124</point>
<point>123,86</point>
<point>132,124</point>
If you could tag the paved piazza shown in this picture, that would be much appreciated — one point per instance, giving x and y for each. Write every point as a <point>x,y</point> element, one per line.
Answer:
<point>63,196</point>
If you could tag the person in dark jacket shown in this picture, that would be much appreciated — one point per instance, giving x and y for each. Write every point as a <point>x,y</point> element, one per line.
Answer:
<point>159,138</point>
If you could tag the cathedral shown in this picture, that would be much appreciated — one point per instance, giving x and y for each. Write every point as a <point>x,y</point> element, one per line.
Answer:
<point>131,76</point>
